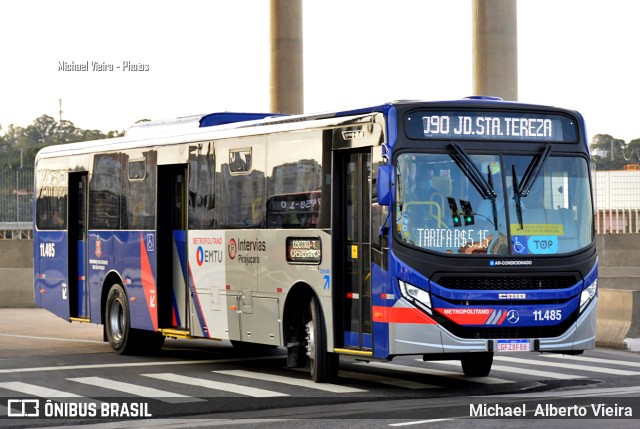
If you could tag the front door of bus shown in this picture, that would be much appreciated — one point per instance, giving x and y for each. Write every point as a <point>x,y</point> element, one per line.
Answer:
<point>352,209</point>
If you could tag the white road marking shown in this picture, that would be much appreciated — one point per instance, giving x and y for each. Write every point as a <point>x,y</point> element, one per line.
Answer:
<point>567,366</point>
<point>381,379</point>
<point>32,389</point>
<point>134,389</point>
<point>216,385</point>
<point>593,360</point>
<point>522,371</point>
<point>133,364</point>
<point>327,387</point>
<point>437,372</point>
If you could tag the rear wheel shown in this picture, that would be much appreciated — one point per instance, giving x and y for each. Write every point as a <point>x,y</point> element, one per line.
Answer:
<point>477,364</point>
<point>118,321</point>
<point>122,338</point>
<point>324,365</point>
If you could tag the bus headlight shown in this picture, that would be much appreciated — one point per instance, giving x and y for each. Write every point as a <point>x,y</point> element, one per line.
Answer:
<point>587,294</point>
<point>416,296</point>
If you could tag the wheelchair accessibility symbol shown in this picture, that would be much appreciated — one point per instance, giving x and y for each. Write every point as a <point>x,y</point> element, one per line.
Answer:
<point>518,245</point>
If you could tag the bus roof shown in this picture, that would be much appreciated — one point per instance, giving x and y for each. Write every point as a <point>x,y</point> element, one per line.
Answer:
<point>187,123</point>
<point>227,124</point>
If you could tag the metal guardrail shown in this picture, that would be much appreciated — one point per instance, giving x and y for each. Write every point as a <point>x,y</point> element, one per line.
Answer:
<point>618,221</point>
<point>16,203</point>
<point>16,230</point>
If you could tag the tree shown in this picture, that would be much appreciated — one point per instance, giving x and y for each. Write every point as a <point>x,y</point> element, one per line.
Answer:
<point>19,146</point>
<point>632,152</point>
<point>43,130</point>
<point>608,152</point>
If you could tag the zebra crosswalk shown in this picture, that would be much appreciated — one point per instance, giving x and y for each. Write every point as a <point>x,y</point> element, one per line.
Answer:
<point>34,390</point>
<point>355,378</point>
<point>327,387</point>
<point>437,372</point>
<point>554,375</point>
<point>217,385</point>
<point>136,390</point>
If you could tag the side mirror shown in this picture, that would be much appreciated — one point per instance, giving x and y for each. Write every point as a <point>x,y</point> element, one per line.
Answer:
<point>384,185</point>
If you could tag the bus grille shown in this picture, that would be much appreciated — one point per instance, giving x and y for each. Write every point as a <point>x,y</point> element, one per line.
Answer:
<point>492,333</point>
<point>506,282</point>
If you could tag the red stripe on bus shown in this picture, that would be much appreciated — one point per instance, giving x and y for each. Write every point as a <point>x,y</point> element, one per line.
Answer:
<point>148,284</point>
<point>400,315</point>
<point>467,316</point>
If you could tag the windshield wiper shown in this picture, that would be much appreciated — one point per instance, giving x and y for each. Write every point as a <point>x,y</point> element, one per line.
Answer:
<point>516,195</point>
<point>464,162</point>
<point>484,187</point>
<point>521,189</point>
<point>532,172</point>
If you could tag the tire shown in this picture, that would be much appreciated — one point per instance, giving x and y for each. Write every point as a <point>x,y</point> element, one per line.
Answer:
<point>118,321</point>
<point>477,364</point>
<point>323,365</point>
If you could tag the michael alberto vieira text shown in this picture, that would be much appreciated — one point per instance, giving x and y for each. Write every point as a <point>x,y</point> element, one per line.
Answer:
<point>550,410</point>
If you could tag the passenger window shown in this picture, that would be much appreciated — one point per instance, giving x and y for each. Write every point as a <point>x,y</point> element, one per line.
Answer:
<point>240,161</point>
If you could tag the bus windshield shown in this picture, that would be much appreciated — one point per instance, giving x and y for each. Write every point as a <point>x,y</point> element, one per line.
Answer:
<point>488,204</point>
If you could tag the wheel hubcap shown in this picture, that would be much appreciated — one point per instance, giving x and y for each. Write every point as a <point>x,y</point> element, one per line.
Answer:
<point>311,339</point>
<point>116,321</point>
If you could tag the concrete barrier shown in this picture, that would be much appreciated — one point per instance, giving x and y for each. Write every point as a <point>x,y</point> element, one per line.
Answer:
<point>618,319</point>
<point>16,273</point>
<point>16,287</point>
<point>16,254</point>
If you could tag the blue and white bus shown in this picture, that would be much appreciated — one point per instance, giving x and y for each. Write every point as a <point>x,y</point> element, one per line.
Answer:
<point>447,230</point>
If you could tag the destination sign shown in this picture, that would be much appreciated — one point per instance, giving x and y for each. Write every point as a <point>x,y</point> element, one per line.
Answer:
<point>481,125</point>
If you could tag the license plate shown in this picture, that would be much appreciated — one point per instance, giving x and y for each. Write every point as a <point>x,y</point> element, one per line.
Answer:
<point>514,346</point>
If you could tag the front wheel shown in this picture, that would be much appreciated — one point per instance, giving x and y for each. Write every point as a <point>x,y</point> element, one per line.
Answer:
<point>477,364</point>
<point>324,365</point>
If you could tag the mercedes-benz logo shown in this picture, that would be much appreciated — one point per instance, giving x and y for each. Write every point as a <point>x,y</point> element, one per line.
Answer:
<point>513,316</point>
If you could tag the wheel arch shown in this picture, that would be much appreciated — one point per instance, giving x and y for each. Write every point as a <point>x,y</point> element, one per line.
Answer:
<point>296,315</point>
<point>111,279</point>
<point>296,308</point>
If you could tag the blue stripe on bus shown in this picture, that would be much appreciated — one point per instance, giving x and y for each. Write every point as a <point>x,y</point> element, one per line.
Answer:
<point>351,339</point>
<point>196,304</point>
<point>380,287</point>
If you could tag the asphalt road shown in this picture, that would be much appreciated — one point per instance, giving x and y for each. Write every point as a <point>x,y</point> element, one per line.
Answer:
<point>65,373</point>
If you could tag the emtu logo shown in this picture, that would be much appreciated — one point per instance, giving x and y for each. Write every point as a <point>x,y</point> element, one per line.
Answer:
<point>232,248</point>
<point>200,255</point>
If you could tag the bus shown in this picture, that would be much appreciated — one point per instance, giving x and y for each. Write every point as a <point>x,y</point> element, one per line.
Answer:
<point>450,230</point>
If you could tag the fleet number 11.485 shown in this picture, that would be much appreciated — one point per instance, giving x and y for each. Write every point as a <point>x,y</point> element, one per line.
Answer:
<point>47,250</point>
<point>547,315</point>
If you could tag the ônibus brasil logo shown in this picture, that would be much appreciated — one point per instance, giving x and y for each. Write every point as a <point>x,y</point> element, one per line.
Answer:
<point>232,248</point>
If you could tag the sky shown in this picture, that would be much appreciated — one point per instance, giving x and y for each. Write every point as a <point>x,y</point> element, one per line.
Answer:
<point>204,56</point>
